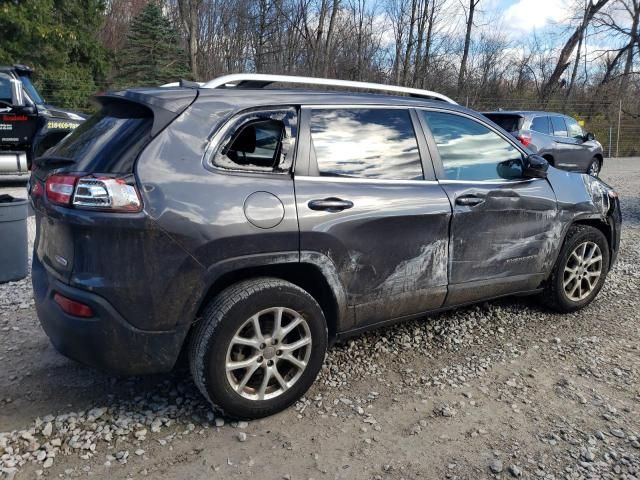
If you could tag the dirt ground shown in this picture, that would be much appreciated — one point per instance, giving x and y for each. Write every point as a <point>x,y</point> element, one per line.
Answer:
<point>500,390</point>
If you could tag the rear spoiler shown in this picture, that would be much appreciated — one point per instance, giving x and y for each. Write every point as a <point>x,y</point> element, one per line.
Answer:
<point>165,104</point>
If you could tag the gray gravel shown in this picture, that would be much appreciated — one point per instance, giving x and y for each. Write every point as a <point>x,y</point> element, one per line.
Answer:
<point>499,390</point>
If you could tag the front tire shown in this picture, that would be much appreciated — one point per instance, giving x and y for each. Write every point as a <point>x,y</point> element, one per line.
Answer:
<point>258,348</point>
<point>594,167</point>
<point>580,270</point>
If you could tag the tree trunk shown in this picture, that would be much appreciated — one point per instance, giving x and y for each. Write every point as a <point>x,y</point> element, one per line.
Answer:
<point>467,44</point>
<point>633,33</point>
<point>189,16</point>
<point>563,60</point>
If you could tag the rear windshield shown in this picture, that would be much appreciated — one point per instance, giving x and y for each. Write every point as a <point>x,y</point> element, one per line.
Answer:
<point>510,123</point>
<point>109,141</point>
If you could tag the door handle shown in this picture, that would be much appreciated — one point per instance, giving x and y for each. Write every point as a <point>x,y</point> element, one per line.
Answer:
<point>331,204</point>
<point>469,200</point>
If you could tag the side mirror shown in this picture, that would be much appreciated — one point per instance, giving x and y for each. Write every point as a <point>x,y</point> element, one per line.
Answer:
<point>510,169</point>
<point>535,166</point>
<point>27,110</point>
<point>589,137</point>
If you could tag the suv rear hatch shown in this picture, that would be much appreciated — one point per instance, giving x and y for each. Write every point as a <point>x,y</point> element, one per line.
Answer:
<point>90,175</point>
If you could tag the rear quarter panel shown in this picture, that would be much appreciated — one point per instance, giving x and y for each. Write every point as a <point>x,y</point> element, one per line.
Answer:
<point>202,209</point>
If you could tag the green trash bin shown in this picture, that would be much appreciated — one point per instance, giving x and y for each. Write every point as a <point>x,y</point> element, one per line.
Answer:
<point>14,243</point>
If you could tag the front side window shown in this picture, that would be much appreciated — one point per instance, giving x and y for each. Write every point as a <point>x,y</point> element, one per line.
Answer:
<point>540,124</point>
<point>6,94</point>
<point>559,127</point>
<point>376,143</point>
<point>471,151</point>
<point>573,128</point>
<point>31,90</point>
<point>261,140</point>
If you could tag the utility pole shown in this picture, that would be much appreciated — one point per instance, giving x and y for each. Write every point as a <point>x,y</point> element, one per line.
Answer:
<point>618,134</point>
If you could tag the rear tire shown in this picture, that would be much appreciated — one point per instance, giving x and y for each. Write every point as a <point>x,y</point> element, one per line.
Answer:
<point>594,167</point>
<point>249,369</point>
<point>580,270</point>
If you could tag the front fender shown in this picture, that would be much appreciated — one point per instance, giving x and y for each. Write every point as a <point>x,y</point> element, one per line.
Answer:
<point>584,199</point>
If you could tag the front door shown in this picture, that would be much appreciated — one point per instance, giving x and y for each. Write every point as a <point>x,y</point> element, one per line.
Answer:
<point>583,154</point>
<point>16,127</point>
<point>504,226</point>
<point>363,200</point>
<point>567,149</point>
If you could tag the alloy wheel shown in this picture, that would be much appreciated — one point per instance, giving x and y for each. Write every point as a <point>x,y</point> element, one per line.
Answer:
<point>582,271</point>
<point>268,353</point>
<point>594,168</point>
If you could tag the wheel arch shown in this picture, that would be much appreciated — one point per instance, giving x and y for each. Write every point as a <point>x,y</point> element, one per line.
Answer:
<point>598,224</point>
<point>313,273</point>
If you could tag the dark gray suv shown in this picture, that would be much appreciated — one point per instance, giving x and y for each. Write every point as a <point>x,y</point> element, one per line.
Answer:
<point>556,137</point>
<point>252,227</point>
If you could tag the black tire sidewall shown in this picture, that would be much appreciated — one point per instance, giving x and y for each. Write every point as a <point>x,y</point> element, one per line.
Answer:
<point>585,234</point>
<point>216,383</point>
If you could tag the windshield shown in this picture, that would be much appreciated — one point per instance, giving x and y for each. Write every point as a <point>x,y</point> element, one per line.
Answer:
<point>31,90</point>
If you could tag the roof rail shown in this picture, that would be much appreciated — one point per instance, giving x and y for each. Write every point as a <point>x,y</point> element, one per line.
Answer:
<point>258,80</point>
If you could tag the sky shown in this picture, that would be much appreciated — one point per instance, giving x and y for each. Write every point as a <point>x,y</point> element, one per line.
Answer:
<point>523,17</point>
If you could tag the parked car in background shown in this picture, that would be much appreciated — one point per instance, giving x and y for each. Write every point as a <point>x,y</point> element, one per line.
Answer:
<point>28,126</point>
<point>558,138</point>
<point>254,226</point>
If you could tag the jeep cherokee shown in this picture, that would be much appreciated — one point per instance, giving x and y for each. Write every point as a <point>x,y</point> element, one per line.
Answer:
<point>254,226</point>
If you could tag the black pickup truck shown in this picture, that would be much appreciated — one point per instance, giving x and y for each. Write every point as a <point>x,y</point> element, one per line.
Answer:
<point>28,126</point>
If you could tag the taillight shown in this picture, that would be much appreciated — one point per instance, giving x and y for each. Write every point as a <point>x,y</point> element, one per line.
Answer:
<point>107,193</point>
<point>73,307</point>
<point>97,192</point>
<point>524,140</point>
<point>59,188</point>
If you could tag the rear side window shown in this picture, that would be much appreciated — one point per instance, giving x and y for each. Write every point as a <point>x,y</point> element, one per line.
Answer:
<point>260,140</point>
<point>510,123</point>
<point>559,127</point>
<point>109,141</point>
<point>470,151</point>
<point>540,124</point>
<point>376,143</point>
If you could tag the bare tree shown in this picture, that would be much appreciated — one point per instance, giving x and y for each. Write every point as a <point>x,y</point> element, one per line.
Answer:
<point>563,59</point>
<point>469,12</point>
<point>189,14</point>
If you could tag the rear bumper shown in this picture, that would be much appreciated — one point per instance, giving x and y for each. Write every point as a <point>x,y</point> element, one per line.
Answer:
<point>107,341</point>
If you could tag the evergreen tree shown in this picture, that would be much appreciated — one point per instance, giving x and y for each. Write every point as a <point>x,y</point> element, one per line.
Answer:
<point>151,54</point>
<point>58,38</point>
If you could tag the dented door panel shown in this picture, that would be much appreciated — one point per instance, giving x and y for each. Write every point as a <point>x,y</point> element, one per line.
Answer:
<point>390,248</point>
<point>511,232</point>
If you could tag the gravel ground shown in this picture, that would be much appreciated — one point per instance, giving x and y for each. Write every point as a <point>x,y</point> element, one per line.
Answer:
<point>500,390</point>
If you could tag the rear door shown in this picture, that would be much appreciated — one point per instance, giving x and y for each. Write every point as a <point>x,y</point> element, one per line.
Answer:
<point>367,198</point>
<point>504,227</point>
